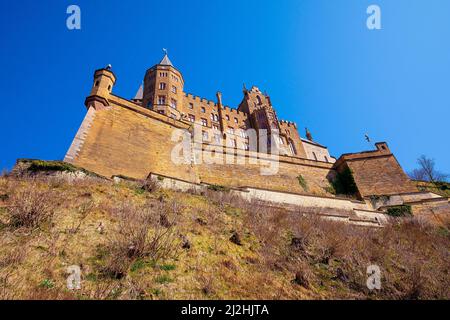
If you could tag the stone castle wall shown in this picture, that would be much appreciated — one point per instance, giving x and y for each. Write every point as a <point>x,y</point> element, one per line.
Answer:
<point>125,139</point>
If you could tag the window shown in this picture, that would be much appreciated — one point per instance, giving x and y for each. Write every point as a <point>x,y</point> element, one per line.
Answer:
<point>205,135</point>
<point>203,110</point>
<point>280,140</point>
<point>230,130</point>
<point>161,99</point>
<point>97,83</point>
<point>259,100</point>
<point>162,86</point>
<point>163,74</point>
<point>215,127</point>
<point>191,118</point>
<point>109,88</point>
<point>228,117</point>
<point>292,148</point>
<point>191,106</point>
<point>217,138</point>
<point>174,89</point>
<point>246,146</point>
<point>204,122</point>
<point>174,78</point>
<point>235,120</point>
<point>242,133</point>
<point>233,143</point>
<point>173,103</point>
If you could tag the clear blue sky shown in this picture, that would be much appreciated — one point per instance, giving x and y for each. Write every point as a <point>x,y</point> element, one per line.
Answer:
<point>316,59</point>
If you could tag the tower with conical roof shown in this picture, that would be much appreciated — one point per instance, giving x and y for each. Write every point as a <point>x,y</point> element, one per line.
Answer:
<point>163,88</point>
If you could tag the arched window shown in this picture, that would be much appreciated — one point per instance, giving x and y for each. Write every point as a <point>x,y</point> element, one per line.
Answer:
<point>259,100</point>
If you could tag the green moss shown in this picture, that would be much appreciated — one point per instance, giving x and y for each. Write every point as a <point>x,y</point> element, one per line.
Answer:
<point>216,187</point>
<point>302,182</point>
<point>167,267</point>
<point>55,166</point>
<point>163,279</point>
<point>400,211</point>
<point>46,283</point>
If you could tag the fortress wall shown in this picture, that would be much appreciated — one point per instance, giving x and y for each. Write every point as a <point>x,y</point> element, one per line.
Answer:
<point>380,175</point>
<point>122,141</point>
<point>249,175</point>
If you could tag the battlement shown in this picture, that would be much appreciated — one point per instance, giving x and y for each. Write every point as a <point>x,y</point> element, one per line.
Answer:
<point>288,123</point>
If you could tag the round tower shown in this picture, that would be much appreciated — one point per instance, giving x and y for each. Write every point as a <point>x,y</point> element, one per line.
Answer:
<point>163,89</point>
<point>104,80</point>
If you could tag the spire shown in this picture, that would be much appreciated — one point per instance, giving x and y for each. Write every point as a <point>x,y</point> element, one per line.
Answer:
<point>166,61</point>
<point>308,135</point>
<point>139,93</point>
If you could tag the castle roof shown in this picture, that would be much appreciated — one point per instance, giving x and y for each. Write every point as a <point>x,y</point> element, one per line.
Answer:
<point>166,61</point>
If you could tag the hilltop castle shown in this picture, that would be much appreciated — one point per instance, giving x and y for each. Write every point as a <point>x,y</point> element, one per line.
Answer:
<point>132,137</point>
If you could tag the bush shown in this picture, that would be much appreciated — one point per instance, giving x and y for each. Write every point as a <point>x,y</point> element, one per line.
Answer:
<point>30,206</point>
<point>344,183</point>
<point>400,211</point>
<point>139,235</point>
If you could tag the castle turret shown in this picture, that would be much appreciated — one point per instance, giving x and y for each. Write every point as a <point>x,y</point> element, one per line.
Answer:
<point>104,80</point>
<point>163,89</point>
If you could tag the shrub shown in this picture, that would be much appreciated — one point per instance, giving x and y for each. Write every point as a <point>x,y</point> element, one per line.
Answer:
<point>400,211</point>
<point>139,235</point>
<point>344,183</point>
<point>30,206</point>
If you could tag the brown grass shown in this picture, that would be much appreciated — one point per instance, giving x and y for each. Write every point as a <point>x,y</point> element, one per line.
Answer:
<point>128,242</point>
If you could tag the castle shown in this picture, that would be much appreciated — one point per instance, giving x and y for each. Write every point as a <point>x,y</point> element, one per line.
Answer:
<point>132,137</point>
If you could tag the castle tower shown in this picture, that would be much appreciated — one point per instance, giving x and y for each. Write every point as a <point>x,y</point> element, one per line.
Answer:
<point>163,89</point>
<point>262,115</point>
<point>104,80</point>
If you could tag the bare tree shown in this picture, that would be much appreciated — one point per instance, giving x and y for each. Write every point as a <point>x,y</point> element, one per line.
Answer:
<point>427,171</point>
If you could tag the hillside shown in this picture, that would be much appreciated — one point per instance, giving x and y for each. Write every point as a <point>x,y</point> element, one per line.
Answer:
<point>133,240</point>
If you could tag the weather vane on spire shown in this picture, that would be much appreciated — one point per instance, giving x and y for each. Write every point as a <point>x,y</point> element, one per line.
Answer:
<point>165,50</point>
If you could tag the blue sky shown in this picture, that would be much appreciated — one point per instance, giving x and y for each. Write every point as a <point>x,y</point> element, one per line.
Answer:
<point>316,59</point>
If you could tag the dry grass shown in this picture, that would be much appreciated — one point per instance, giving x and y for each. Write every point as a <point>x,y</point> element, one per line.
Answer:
<point>130,243</point>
